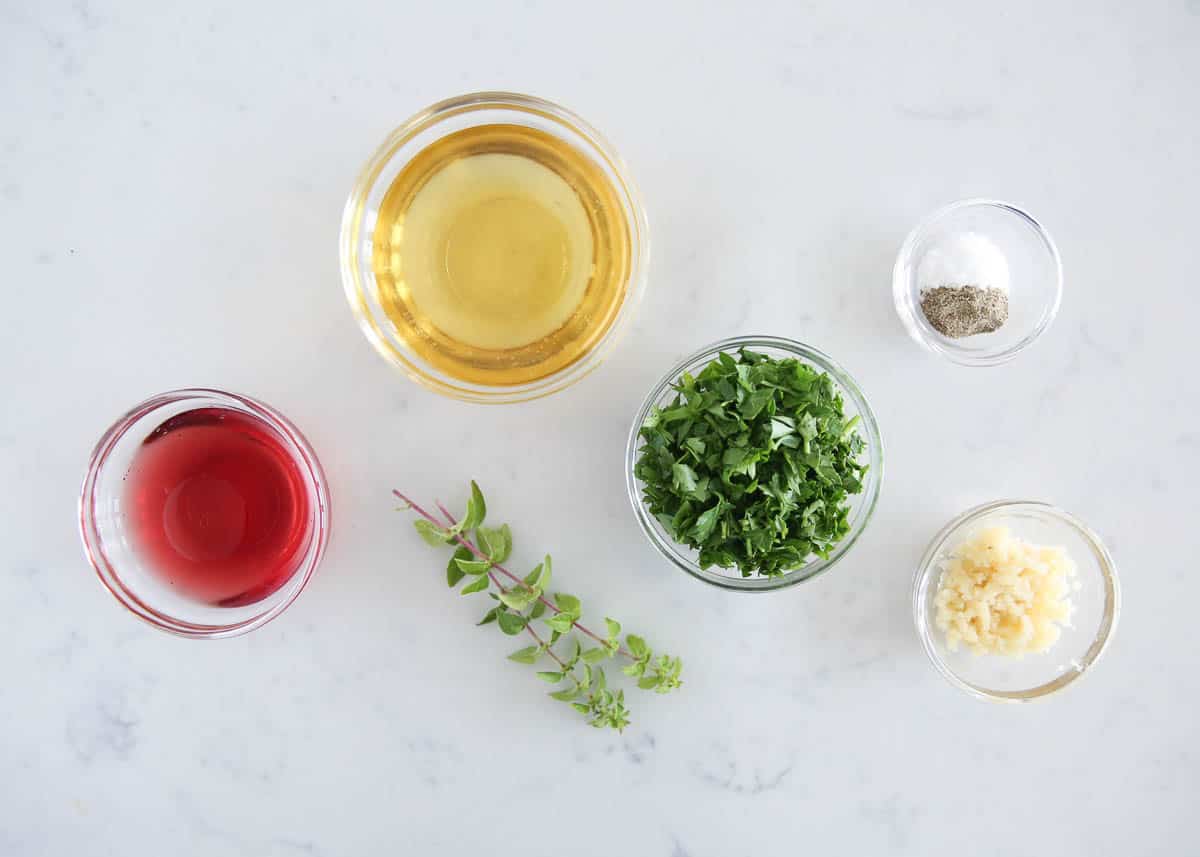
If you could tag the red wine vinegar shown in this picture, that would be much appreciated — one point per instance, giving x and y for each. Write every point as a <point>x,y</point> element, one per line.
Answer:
<point>218,507</point>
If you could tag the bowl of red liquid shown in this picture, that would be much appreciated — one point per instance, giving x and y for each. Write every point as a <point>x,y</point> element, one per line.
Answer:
<point>204,512</point>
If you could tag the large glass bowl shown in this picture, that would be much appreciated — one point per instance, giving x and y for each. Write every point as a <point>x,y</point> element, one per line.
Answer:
<point>413,137</point>
<point>1097,605</point>
<point>862,505</point>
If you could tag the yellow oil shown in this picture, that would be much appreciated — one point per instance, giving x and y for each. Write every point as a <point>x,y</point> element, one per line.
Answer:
<point>501,254</point>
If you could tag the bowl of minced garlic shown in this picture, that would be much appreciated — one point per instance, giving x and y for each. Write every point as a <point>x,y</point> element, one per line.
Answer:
<point>1000,595</point>
<point>1015,599</point>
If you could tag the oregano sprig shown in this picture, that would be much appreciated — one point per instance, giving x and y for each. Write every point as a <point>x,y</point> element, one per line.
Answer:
<point>479,557</point>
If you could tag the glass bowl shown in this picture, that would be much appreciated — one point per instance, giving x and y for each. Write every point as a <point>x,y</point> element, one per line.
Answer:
<point>413,137</point>
<point>862,505</point>
<point>1035,279</point>
<point>107,536</point>
<point>1097,605</point>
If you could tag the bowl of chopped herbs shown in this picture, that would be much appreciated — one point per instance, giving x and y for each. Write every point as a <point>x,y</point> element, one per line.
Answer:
<point>755,463</point>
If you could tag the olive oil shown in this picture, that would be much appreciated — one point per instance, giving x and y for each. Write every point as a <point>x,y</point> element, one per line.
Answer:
<point>501,254</point>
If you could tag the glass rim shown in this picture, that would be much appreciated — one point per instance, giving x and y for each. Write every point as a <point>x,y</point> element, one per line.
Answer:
<point>816,566</point>
<point>357,287</point>
<point>923,579</point>
<point>919,331</point>
<point>106,569</point>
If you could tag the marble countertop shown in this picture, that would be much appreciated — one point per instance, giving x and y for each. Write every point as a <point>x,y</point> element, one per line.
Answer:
<point>171,182</point>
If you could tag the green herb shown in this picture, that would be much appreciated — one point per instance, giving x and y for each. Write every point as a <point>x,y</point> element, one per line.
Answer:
<point>579,681</point>
<point>752,463</point>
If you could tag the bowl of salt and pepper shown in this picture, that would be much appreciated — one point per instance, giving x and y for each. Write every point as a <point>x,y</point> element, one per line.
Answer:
<point>977,282</point>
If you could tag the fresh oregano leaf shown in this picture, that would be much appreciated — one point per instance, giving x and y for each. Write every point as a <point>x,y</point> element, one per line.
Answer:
<point>476,510</point>
<point>453,573</point>
<point>477,585</point>
<point>534,576</point>
<point>489,616</point>
<point>495,542</point>
<point>637,645</point>
<point>527,655</point>
<point>431,533</point>
<point>561,622</point>
<point>550,677</point>
<point>518,598</point>
<point>567,603</point>
<point>594,656</point>
<point>512,623</point>
<point>574,659</point>
<point>472,566</point>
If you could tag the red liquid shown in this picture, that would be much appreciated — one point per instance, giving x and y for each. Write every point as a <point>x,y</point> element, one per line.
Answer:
<point>218,507</point>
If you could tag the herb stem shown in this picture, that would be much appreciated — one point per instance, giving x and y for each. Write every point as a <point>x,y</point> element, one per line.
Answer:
<point>466,543</point>
<point>545,646</point>
<point>412,505</point>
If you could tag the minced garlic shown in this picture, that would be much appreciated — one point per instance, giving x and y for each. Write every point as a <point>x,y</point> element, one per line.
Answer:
<point>999,595</point>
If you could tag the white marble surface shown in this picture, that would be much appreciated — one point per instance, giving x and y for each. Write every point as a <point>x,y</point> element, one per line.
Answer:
<point>171,183</point>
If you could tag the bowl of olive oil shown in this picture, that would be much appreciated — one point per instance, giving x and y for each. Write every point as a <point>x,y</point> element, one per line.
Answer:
<point>494,248</point>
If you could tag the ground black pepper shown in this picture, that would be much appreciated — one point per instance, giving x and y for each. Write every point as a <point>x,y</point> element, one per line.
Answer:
<point>958,311</point>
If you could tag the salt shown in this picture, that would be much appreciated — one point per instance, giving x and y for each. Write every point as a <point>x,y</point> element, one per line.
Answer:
<point>963,259</point>
<point>963,279</point>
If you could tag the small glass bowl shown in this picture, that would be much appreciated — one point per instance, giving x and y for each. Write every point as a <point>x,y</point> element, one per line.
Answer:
<point>862,505</point>
<point>1097,605</point>
<point>107,540</point>
<point>1035,280</point>
<point>414,136</point>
